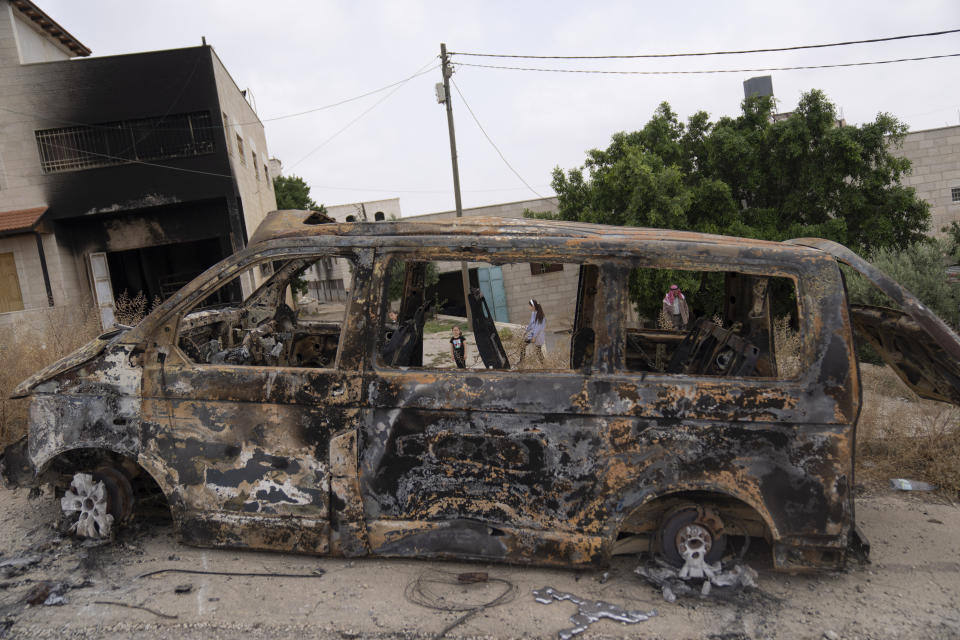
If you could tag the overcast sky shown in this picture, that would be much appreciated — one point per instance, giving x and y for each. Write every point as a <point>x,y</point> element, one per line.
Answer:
<point>297,56</point>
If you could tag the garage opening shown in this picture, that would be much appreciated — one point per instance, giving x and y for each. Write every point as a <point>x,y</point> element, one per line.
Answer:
<point>160,271</point>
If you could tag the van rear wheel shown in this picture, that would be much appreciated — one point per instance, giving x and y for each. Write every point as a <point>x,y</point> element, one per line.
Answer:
<point>691,533</point>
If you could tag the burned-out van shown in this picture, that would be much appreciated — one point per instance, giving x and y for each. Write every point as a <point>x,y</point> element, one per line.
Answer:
<point>333,430</point>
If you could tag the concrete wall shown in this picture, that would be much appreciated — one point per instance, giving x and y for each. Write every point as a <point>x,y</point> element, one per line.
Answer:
<point>254,183</point>
<point>555,291</point>
<point>935,154</point>
<point>21,187</point>
<point>33,44</point>
<point>505,210</point>
<point>390,208</point>
<point>33,290</point>
<point>21,179</point>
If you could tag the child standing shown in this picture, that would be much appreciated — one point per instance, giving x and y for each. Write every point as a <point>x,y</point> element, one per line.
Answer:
<point>458,348</point>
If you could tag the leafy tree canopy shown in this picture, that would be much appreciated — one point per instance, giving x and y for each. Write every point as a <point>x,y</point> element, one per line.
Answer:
<point>751,176</point>
<point>293,193</point>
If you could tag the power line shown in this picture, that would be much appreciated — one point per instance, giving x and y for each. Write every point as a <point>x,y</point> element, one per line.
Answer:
<point>381,190</point>
<point>492,144</point>
<point>710,53</point>
<point>221,175</point>
<point>708,71</point>
<point>365,112</point>
<point>353,99</point>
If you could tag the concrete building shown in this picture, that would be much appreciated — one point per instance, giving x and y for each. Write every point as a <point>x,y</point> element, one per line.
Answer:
<point>368,211</point>
<point>330,280</point>
<point>935,155</point>
<point>121,173</point>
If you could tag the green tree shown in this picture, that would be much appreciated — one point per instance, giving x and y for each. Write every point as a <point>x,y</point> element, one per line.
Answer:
<point>293,193</point>
<point>953,241</point>
<point>802,175</point>
<point>398,270</point>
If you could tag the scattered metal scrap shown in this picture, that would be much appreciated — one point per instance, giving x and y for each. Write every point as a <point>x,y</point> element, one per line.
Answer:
<point>316,573</point>
<point>901,484</point>
<point>16,566</point>
<point>136,606</point>
<point>48,593</point>
<point>673,581</point>
<point>589,611</point>
<point>51,593</point>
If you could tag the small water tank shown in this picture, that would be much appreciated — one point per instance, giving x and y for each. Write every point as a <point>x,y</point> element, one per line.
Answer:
<point>759,86</point>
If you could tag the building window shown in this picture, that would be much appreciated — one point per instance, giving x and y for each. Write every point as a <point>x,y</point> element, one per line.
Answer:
<point>10,298</point>
<point>955,195</point>
<point>378,216</point>
<point>226,131</point>
<point>538,268</point>
<point>256,170</point>
<point>330,290</point>
<point>115,143</point>
<point>266,173</point>
<point>243,158</point>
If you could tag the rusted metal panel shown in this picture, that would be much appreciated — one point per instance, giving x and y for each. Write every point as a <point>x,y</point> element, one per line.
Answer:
<point>924,365</point>
<point>349,529</point>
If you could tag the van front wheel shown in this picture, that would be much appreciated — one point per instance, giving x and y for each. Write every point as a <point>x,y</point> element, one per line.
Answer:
<point>96,501</point>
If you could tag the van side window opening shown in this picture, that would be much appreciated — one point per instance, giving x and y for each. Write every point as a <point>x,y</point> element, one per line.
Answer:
<point>724,324</point>
<point>279,324</point>
<point>423,302</point>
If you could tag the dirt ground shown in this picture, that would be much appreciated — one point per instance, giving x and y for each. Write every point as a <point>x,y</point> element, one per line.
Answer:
<point>910,590</point>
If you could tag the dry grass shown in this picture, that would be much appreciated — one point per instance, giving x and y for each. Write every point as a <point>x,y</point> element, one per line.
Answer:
<point>902,436</point>
<point>786,346</point>
<point>899,434</point>
<point>557,358</point>
<point>41,338</point>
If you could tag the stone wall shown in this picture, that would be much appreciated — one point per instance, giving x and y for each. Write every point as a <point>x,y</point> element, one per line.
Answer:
<point>935,154</point>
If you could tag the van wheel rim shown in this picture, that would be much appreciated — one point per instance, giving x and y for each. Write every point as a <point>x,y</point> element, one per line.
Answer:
<point>86,500</point>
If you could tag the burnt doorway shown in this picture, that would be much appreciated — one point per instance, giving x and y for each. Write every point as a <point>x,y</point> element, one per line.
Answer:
<point>162,270</point>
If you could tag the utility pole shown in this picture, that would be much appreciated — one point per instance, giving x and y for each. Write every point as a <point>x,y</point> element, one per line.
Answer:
<point>445,98</point>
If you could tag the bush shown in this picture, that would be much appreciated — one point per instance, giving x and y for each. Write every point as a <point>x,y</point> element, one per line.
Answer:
<point>130,311</point>
<point>919,268</point>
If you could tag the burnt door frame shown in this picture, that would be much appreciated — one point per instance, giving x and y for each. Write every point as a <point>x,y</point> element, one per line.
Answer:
<point>481,464</point>
<point>277,423</point>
